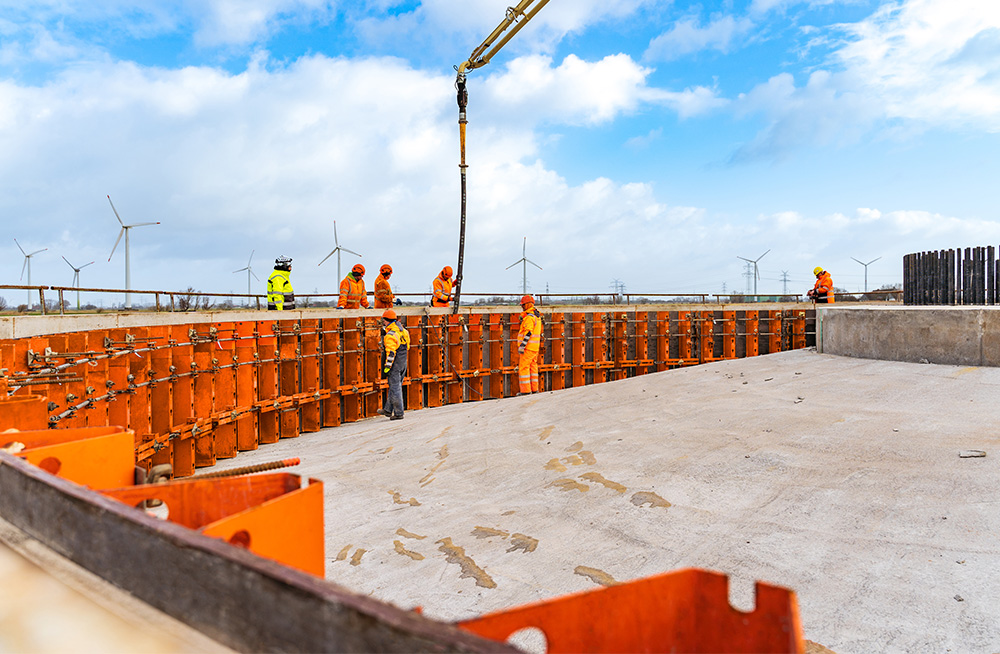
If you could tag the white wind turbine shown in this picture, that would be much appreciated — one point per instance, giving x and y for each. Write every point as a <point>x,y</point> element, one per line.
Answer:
<point>249,272</point>
<point>124,232</point>
<point>756,271</point>
<point>27,265</point>
<point>76,279</point>
<point>524,261</point>
<point>337,251</point>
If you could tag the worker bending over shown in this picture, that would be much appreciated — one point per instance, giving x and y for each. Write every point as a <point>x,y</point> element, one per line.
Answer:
<point>822,292</point>
<point>383,291</point>
<point>529,338</point>
<point>442,288</point>
<point>396,341</point>
<point>352,289</point>
<point>280,294</point>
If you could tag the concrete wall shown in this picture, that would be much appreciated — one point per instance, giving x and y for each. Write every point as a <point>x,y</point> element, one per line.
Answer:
<point>964,336</point>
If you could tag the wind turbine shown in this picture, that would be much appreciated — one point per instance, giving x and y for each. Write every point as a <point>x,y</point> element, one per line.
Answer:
<point>756,271</point>
<point>866,269</point>
<point>124,232</point>
<point>249,272</point>
<point>337,251</point>
<point>76,279</point>
<point>524,261</point>
<point>27,264</point>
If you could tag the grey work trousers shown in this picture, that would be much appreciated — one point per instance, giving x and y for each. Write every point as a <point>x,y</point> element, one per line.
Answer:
<point>394,396</point>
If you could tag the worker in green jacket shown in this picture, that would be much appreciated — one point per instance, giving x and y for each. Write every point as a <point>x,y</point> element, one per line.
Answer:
<point>280,294</point>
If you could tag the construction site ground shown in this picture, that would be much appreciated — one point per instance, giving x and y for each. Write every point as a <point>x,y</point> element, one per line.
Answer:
<point>853,482</point>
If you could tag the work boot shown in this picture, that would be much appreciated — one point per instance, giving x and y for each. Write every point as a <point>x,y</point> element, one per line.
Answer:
<point>385,413</point>
<point>398,416</point>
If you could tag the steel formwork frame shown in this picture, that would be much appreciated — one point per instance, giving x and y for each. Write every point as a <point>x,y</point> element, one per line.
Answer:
<point>196,393</point>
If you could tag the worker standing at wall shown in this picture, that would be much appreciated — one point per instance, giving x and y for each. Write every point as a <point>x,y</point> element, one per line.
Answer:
<point>529,339</point>
<point>352,289</point>
<point>280,294</point>
<point>396,342</point>
<point>442,288</point>
<point>384,297</point>
<point>822,291</point>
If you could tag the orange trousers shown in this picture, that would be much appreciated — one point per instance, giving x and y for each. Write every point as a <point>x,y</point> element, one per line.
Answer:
<point>527,372</point>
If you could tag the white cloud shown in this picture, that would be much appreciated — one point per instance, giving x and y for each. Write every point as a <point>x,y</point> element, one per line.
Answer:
<point>688,36</point>
<point>241,22</point>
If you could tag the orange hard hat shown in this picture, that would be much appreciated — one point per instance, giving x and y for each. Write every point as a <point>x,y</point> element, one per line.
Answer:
<point>389,314</point>
<point>527,299</point>
<point>446,271</point>
<point>386,268</point>
<point>358,269</point>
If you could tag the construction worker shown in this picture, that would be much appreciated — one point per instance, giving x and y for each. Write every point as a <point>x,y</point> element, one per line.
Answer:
<point>529,339</point>
<point>396,341</point>
<point>352,289</point>
<point>442,288</point>
<point>280,294</point>
<point>383,291</point>
<point>822,292</point>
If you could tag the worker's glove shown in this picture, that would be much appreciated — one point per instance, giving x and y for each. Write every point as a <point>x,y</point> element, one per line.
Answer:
<point>398,302</point>
<point>520,349</point>
<point>385,371</point>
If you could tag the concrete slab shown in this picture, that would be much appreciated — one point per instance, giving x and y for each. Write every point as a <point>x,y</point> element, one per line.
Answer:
<point>837,477</point>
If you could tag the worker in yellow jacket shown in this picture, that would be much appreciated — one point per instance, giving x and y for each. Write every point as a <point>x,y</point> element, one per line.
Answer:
<point>529,340</point>
<point>822,291</point>
<point>280,294</point>
<point>384,297</point>
<point>352,289</point>
<point>396,342</point>
<point>442,288</point>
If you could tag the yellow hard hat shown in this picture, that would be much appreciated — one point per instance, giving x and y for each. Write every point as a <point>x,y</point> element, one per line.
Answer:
<point>817,270</point>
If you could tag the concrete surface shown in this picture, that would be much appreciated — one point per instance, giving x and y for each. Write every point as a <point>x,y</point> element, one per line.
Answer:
<point>962,336</point>
<point>839,478</point>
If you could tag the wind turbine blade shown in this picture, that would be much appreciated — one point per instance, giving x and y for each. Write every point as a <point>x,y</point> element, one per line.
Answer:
<point>745,259</point>
<point>20,248</point>
<point>763,255</point>
<point>861,262</point>
<point>83,266</point>
<point>143,224</point>
<point>116,211</point>
<point>327,257</point>
<point>513,264</point>
<point>68,263</point>
<point>335,241</point>
<point>351,251</point>
<point>240,270</point>
<point>24,266</point>
<point>533,264</point>
<point>120,234</point>
<point>37,251</point>
<point>874,260</point>
<point>251,258</point>
<point>254,274</point>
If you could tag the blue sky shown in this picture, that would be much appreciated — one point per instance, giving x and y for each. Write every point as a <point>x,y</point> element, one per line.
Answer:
<point>651,142</point>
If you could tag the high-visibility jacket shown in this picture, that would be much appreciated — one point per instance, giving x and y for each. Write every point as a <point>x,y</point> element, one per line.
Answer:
<point>442,292</point>
<point>383,293</point>
<point>529,336</point>
<point>396,341</point>
<point>280,294</point>
<point>352,293</point>
<point>824,286</point>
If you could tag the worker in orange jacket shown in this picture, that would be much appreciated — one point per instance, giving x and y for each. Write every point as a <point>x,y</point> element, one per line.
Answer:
<point>529,340</point>
<point>822,291</point>
<point>384,297</point>
<point>352,289</point>
<point>442,288</point>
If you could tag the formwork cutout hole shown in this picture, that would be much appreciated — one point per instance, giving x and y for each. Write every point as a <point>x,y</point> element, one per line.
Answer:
<point>154,507</point>
<point>240,539</point>
<point>530,639</point>
<point>50,464</point>
<point>743,594</point>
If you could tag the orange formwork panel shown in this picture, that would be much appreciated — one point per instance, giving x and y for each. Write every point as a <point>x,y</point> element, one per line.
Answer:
<point>682,611</point>
<point>619,345</point>
<point>23,412</point>
<point>751,329</point>
<point>330,365</point>
<point>495,348</point>
<point>310,352</point>
<point>454,386</point>
<point>728,334</point>
<point>288,375</point>
<point>433,360</point>
<point>706,336</point>
<point>773,332</point>
<point>203,400</point>
<point>267,381</point>
<point>224,372</point>
<point>246,385</point>
<point>578,349</point>
<point>99,457</point>
<point>474,378</point>
<point>414,363</point>
<point>372,338</point>
<point>557,352</point>
<point>601,358</point>
<point>684,334</point>
<point>662,340</point>
<point>353,370</point>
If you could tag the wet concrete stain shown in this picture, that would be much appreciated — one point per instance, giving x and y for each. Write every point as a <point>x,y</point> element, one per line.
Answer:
<point>570,484</point>
<point>343,553</point>
<point>522,542</point>
<point>406,534</point>
<point>443,432</point>
<point>382,451</point>
<point>456,554</point>
<point>598,478</point>
<point>597,576</point>
<point>511,512</point>
<point>573,460</point>
<point>416,556</point>
<point>575,447</point>
<point>356,559</point>
<point>646,497</point>
<point>546,432</point>
<point>397,499</point>
<point>489,532</point>
<point>588,457</point>
<point>555,465</point>
<point>425,483</point>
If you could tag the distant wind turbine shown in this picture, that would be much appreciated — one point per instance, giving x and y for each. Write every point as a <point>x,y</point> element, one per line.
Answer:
<point>76,279</point>
<point>337,251</point>
<point>866,269</point>
<point>756,271</point>
<point>128,271</point>
<point>27,265</point>
<point>524,261</point>
<point>249,272</point>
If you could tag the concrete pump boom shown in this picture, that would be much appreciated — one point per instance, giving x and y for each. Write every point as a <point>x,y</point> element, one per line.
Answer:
<point>516,18</point>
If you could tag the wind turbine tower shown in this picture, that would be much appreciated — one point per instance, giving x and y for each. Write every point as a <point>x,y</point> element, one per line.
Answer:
<point>249,272</point>
<point>76,279</point>
<point>27,265</point>
<point>866,269</point>
<point>337,251</point>
<point>524,261</point>
<point>128,254</point>
<point>756,270</point>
